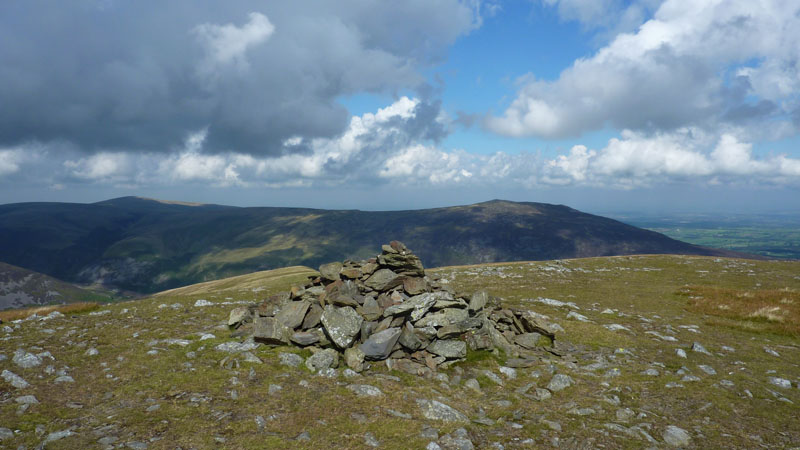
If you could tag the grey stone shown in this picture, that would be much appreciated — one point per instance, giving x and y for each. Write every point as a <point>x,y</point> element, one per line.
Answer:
<point>534,324</point>
<point>290,359</point>
<point>313,317</point>
<point>323,360</point>
<point>304,338</point>
<point>379,345</point>
<point>370,440</point>
<point>408,366</point>
<point>457,440</point>
<point>418,305</point>
<point>698,347</point>
<point>780,382</point>
<point>5,433</point>
<point>341,324</point>
<point>270,331</point>
<point>330,271</point>
<point>560,382</point>
<point>26,400</point>
<point>14,379</point>
<point>676,437</point>
<point>521,363</point>
<point>450,348</point>
<point>57,435</point>
<point>236,347</point>
<point>403,262</point>
<point>293,313</point>
<point>473,384</point>
<point>434,410</point>
<point>238,316</point>
<point>443,317</point>
<point>354,358</point>
<point>383,280</point>
<point>540,394</point>
<point>408,338</point>
<point>478,301</point>
<point>26,360</point>
<point>365,390</point>
<point>64,379</point>
<point>459,328</point>
<point>371,310</point>
<point>625,414</point>
<point>528,340</point>
<point>707,369</point>
<point>415,285</point>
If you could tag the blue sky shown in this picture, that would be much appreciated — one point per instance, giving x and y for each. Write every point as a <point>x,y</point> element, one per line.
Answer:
<point>604,105</point>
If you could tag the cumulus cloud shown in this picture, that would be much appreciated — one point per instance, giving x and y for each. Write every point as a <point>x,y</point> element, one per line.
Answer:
<point>699,63</point>
<point>9,161</point>
<point>107,77</point>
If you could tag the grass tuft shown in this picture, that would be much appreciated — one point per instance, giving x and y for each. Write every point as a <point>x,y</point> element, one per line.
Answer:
<point>70,308</point>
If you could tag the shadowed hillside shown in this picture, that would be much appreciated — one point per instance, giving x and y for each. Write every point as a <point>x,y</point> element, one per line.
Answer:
<point>148,245</point>
<point>20,288</point>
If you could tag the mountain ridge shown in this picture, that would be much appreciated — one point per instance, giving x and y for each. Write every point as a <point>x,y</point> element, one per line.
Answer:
<point>147,245</point>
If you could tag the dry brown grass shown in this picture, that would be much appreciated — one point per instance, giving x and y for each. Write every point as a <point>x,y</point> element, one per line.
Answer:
<point>70,308</point>
<point>775,310</point>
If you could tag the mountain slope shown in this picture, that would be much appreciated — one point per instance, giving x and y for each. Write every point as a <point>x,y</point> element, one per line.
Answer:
<point>20,288</point>
<point>149,245</point>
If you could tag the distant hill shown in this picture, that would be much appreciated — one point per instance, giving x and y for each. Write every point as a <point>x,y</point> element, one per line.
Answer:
<point>146,245</point>
<point>21,288</point>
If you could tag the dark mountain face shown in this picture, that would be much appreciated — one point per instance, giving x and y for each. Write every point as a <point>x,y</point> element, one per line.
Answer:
<point>147,245</point>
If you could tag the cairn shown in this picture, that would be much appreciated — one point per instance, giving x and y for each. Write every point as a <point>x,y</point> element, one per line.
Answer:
<point>386,308</point>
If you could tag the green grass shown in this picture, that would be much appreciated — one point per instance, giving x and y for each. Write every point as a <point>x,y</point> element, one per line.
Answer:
<point>637,289</point>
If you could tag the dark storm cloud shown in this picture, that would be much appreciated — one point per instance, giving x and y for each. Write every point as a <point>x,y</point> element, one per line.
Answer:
<point>142,75</point>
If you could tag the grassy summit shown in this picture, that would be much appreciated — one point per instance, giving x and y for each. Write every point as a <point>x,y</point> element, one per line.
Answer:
<point>150,373</point>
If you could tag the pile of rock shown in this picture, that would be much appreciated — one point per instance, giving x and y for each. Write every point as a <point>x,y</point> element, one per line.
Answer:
<point>386,308</point>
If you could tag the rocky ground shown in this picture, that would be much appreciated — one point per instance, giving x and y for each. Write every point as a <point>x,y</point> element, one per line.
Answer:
<point>645,368</point>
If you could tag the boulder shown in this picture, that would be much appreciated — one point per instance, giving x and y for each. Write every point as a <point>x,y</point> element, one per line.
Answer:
<point>341,324</point>
<point>313,317</point>
<point>304,338</point>
<point>528,340</point>
<point>370,310</point>
<point>354,358</point>
<point>459,328</point>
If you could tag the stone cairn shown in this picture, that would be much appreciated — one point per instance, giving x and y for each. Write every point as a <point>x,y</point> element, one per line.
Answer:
<point>386,308</point>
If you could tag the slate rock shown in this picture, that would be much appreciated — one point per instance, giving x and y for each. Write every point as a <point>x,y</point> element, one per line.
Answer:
<point>379,345</point>
<point>457,440</point>
<point>304,338</point>
<point>323,360</point>
<point>418,305</point>
<point>435,410</point>
<point>341,324</point>
<point>330,271</point>
<point>404,263</point>
<point>313,317</point>
<point>238,316</point>
<point>459,328</point>
<point>415,285</point>
<point>449,348</point>
<point>383,280</point>
<point>293,313</point>
<point>528,340</point>
<point>443,317</point>
<point>408,366</point>
<point>478,301</point>
<point>409,339</point>
<point>371,310</point>
<point>270,331</point>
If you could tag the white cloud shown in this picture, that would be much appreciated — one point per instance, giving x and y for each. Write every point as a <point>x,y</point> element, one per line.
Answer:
<point>10,161</point>
<point>693,62</point>
<point>227,44</point>
<point>101,166</point>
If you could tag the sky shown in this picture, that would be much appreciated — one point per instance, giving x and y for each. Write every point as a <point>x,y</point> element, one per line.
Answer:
<point>603,105</point>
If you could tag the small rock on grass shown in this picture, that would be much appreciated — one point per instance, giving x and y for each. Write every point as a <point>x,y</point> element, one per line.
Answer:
<point>365,390</point>
<point>676,437</point>
<point>434,410</point>
<point>14,379</point>
<point>290,359</point>
<point>370,440</point>
<point>560,382</point>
